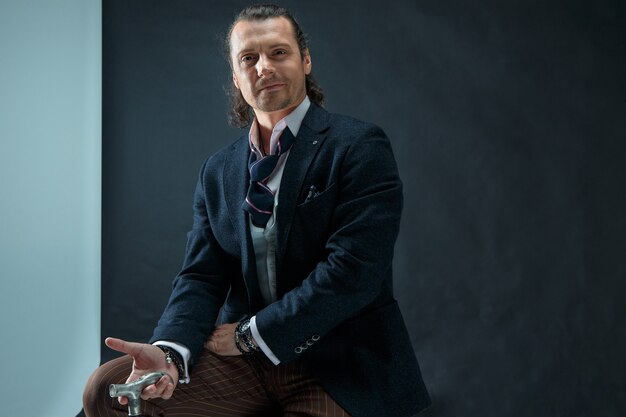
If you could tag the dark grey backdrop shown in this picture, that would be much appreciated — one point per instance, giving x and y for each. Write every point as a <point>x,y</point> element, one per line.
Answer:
<point>507,119</point>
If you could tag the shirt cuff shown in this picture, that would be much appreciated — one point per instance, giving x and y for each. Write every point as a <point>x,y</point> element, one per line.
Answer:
<point>261,343</point>
<point>183,352</point>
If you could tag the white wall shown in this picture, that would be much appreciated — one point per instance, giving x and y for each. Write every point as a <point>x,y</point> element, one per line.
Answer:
<point>50,77</point>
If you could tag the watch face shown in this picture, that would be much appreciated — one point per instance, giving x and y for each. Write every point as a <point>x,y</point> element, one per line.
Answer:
<point>245,326</point>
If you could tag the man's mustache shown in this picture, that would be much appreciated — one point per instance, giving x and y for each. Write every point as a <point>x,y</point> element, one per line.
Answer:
<point>267,82</point>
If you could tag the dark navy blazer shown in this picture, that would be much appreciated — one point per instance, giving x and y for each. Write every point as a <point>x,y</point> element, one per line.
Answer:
<point>336,311</point>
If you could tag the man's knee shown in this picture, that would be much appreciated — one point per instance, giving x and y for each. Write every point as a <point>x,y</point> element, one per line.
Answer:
<point>96,393</point>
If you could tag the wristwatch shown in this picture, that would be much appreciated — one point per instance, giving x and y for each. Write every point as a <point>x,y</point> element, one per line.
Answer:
<point>243,336</point>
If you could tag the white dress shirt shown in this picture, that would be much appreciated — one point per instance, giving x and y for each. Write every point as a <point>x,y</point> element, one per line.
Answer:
<point>263,239</point>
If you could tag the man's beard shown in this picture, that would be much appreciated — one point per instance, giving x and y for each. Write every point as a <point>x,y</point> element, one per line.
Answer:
<point>267,102</point>
<point>272,104</point>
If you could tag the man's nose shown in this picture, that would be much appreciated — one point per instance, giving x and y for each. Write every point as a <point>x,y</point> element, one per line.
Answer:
<point>264,67</point>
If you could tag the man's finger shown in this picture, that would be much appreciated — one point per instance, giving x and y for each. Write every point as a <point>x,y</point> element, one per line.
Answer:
<point>211,345</point>
<point>149,392</point>
<point>157,390</point>
<point>168,391</point>
<point>163,387</point>
<point>130,348</point>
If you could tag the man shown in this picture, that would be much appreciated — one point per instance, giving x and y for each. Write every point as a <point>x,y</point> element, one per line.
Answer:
<point>284,305</point>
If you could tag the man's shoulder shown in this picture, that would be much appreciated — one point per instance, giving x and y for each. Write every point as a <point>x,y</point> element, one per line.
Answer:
<point>235,145</point>
<point>214,163</point>
<point>343,122</point>
<point>347,128</point>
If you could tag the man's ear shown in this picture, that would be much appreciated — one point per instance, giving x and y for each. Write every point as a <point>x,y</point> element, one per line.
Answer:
<point>235,81</point>
<point>306,59</point>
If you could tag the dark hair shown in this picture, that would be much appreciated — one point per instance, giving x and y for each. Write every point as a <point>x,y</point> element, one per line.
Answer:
<point>240,112</point>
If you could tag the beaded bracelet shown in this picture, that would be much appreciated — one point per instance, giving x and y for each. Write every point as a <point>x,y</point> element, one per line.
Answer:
<point>171,356</point>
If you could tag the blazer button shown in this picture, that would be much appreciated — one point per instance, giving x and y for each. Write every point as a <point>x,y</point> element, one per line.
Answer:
<point>315,337</point>
<point>298,349</point>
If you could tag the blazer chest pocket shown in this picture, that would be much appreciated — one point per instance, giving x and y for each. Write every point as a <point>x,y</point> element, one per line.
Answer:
<point>314,198</point>
<point>314,215</point>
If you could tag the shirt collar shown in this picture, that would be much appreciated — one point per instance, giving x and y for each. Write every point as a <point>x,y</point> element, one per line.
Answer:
<point>293,120</point>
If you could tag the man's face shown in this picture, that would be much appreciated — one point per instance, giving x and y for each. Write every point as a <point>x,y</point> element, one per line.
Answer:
<point>267,66</point>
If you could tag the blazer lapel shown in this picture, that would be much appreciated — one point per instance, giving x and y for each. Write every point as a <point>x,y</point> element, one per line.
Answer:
<point>236,180</point>
<point>310,137</point>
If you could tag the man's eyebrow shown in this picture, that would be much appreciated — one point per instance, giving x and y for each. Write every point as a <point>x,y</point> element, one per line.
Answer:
<point>244,51</point>
<point>280,45</point>
<point>272,46</point>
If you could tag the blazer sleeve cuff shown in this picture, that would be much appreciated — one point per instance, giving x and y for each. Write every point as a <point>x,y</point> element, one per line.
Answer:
<point>261,343</point>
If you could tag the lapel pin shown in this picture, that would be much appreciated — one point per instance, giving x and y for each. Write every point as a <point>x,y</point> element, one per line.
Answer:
<point>314,142</point>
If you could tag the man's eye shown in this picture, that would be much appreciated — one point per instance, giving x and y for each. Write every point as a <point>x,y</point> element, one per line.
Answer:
<point>247,58</point>
<point>280,52</point>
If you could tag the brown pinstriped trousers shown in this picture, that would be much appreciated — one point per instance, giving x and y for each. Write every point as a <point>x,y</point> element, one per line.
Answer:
<point>221,386</point>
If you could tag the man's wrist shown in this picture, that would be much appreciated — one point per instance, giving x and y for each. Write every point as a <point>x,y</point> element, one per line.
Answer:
<point>172,357</point>
<point>183,352</point>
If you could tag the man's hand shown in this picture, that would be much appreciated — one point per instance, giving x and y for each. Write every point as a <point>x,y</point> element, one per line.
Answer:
<point>222,340</point>
<point>146,359</point>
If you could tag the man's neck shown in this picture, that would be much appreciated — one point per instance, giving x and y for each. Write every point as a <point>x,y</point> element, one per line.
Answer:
<point>266,123</point>
<point>267,120</point>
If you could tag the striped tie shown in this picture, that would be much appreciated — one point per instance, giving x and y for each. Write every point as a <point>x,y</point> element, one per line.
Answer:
<point>259,201</point>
